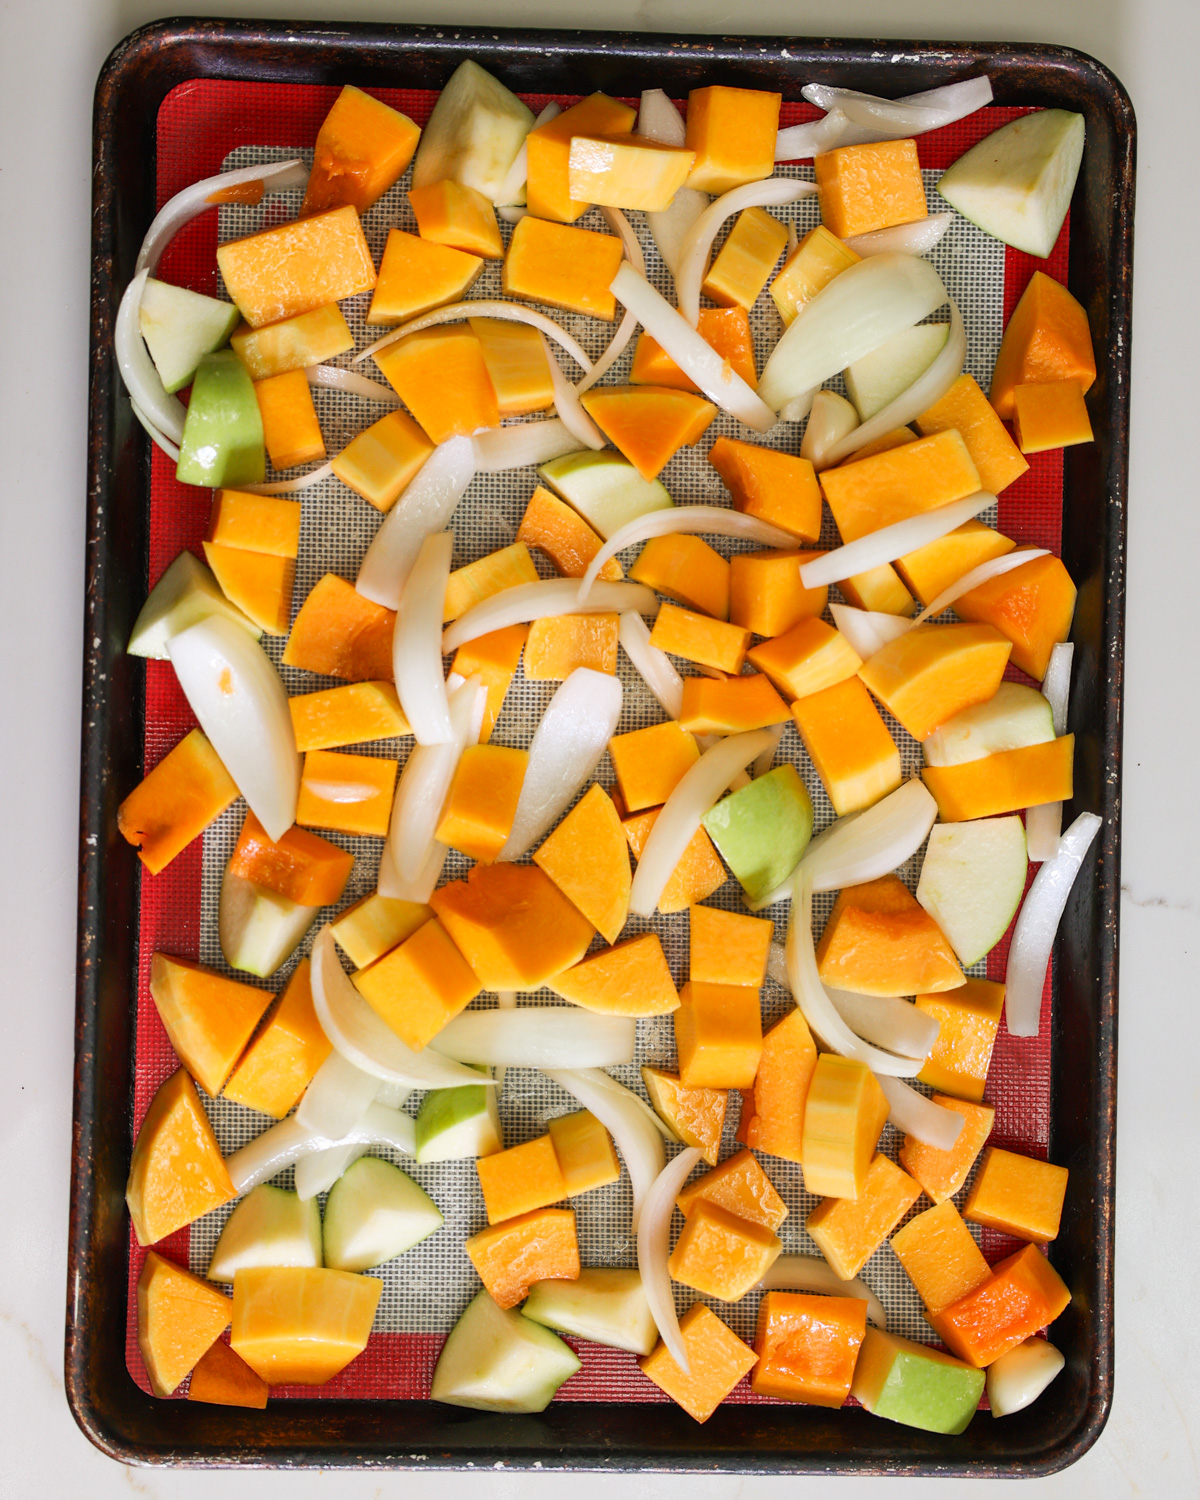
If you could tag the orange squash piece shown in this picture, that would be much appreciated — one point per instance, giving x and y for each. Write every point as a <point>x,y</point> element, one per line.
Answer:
<point>301,1325</point>
<point>697,1116</point>
<point>1050,415</point>
<point>850,746</point>
<point>775,1123</point>
<point>933,568</point>
<point>1047,338</point>
<point>301,866</point>
<point>585,1152</point>
<point>479,580</point>
<point>383,459</point>
<point>844,1114</point>
<point>745,1122</point>
<point>630,979</point>
<point>482,802</point>
<point>732,131</point>
<point>718,1035</point>
<point>779,488</point>
<point>942,1173</point>
<point>685,568</point>
<point>766,595</point>
<point>1033,606</point>
<point>699,871</point>
<point>375,925</point>
<point>352,715</point>
<point>868,493</point>
<point>807,1347</point>
<point>942,1260</point>
<point>281,1061</point>
<point>650,763</point>
<point>812,265</point>
<point>1004,782</point>
<point>420,985</point>
<point>730,706</point>
<point>1021,1296</point>
<point>648,423</point>
<point>878,589</point>
<point>965,408</point>
<point>626,171</point>
<point>726,329</point>
<point>968,1019</point>
<point>541,1245</point>
<point>174,1135</point>
<point>557,645</point>
<point>415,275</point>
<point>812,655</point>
<point>514,925</point>
<point>209,1018</point>
<point>290,427</point>
<point>885,442</point>
<point>517,363</point>
<point>259,583</point>
<point>520,1179</point>
<point>258,523</point>
<point>1018,1195</point>
<point>879,941</point>
<point>340,634</point>
<point>293,343</point>
<point>362,148</point>
<point>179,1317</point>
<point>176,801</point>
<point>295,267</point>
<point>717,1361</point>
<point>552,527</point>
<point>494,658</point>
<point>548,153</point>
<point>849,1231</point>
<point>349,793</point>
<point>740,1187</point>
<point>223,1378</point>
<point>746,259</point>
<point>562,266</point>
<point>933,672</point>
<point>728,947</point>
<point>721,1255</point>
<point>699,638</point>
<point>450,213</point>
<point>868,187</point>
<point>441,376</point>
<point>587,859</point>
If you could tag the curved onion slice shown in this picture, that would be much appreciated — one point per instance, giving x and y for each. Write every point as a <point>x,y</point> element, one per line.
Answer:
<point>676,824</point>
<point>874,842</point>
<point>364,1039</point>
<point>714,520</point>
<point>337,1097</point>
<point>809,1273</point>
<point>607,1081</point>
<point>417,643</point>
<point>168,447</point>
<point>888,1022</point>
<point>276,177</point>
<point>424,782</point>
<point>319,1170</point>
<point>568,406</point>
<point>830,418</point>
<point>242,706</point>
<point>891,542</point>
<point>624,1116</point>
<point>334,378</point>
<point>1043,823</point>
<point>933,1124</point>
<point>426,506</point>
<point>539,601</point>
<point>800,142</point>
<point>1037,924</point>
<point>874,119</point>
<point>571,736</point>
<point>522,444</point>
<point>538,1036</point>
<point>656,667</point>
<point>290,486</point>
<point>510,189</point>
<point>485,307</point>
<point>142,380</point>
<point>868,630</point>
<point>653,1244</point>
<point>990,569</point>
<point>694,355</point>
<point>396,887</point>
<point>1019,1377</point>
<point>659,120</point>
<point>620,226</point>
<point>512,213</point>
<point>288,1141</point>
<point>694,263</point>
<point>917,238</point>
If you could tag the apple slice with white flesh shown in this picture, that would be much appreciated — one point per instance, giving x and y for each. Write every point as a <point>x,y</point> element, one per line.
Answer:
<point>375,1212</point>
<point>972,881</point>
<point>271,1226</point>
<point>458,1124</point>
<point>474,133</point>
<point>1016,184</point>
<point>181,327</point>
<point>497,1360</point>
<point>606,490</point>
<point>875,380</point>
<point>1015,716</point>
<point>185,594</point>
<point>606,1304</point>
<point>222,442</point>
<point>259,929</point>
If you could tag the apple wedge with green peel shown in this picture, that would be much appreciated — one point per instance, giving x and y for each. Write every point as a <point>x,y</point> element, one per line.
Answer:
<point>1014,717</point>
<point>180,328</point>
<point>185,594</point>
<point>497,1360</point>
<point>875,380</point>
<point>375,1212</point>
<point>222,442</point>
<point>474,133</point>
<point>606,490</point>
<point>271,1226</point>
<point>762,830</point>
<point>259,929</point>
<point>972,881</point>
<point>458,1124</point>
<point>606,1304</point>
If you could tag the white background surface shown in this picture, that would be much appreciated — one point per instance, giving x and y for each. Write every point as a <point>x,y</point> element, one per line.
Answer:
<point>50,53</point>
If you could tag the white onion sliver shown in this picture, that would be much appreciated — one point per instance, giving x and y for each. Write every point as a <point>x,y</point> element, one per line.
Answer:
<point>1056,685</point>
<point>871,843</point>
<point>393,1095</point>
<point>656,667</point>
<point>511,213</point>
<point>671,226</point>
<point>680,817</point>
<point>868,630</point>
<point>290,486</point>
<point>142,381</point>
<point>621,226</point>
<point>1037,925</point>
<point>957,99</point>
<point>334,378</point>
<point>168,447</point>
<point>522,444</point>
<point>571,736</point>
<point>916,238</point>
<point>288,1141</point>
<point>801,142</point>
<point>514,180</point>
<point>659,120</point>
<point>538,1036</point>
<point>484,307</point>
<point>1043,823</point>
<point>830,418</point>
<point>607,1081</point>
<point>990,569</point>
<point>886,1021</point>
<point>798,407</point>
<point>891,542</point>
<point>396,887</point>
<point>423,785</point>
<point>765,761</point>
<point>275,176</point>
<point>932,1124</point>
<point>1043,831</point>
<point>336,1098</point>
<point>653,1245</point>
<point>318,1171</point>
<point>417,643</point>
<point>568,406</point>
<point>714,520</point>
<point>623,229</point>
<point>624,1116</point>
<point>869,110</point>
<point>538,601</point>
<point>809,1273</point>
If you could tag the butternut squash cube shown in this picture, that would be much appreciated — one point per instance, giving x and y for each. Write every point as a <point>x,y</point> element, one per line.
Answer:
<point>1050,415</point>
<point>340,634</point>
<point>587,859</point>
<point>685,568</point>
<point>257,523</point>
<point>650,763</point>
<point>740,1187</point>
<point>177,1171</point>
<point>721,1255</point>
<point>630,979</point>
<point>416,275</point>
<point>258,583</point>
<point>933,672</point>
<point>1018,1195</point>
<point>885,442</point>
<point>626,171</point>
<point>868,493</point>
<point>179,1317</point>
<point>775,1122</point>
<point>494,658</point>
<point>301,865</point>
<point>555,646</point>
<point>301,1325</point>
<point>517,363</point>
<point>585,1152</point>
<point>776,487</point>
<point>699,871</point>
<point>349,793</point>
<point>698,638</point>
<point>717,1360</point>
<point>376,924</point>
<point>223,1378</point>
<point>352,715</point>
<point>810,656</point>
<point>548,153</point>
<point>766,594</point>
<point>807,1347</point>
<point>176,801</point>
<point>844,1114</point>
<point>718,1035</point>
<point>812,265</point>
<point>697,1116</point>
<point>562,266</point>
<point>482,802</point>
<point>849,1231</point>
<point>281,1061</point>
<point>728,947</point>
<point>298,266</point>
<point>880,941</point>
<point>420,985</point>
<point>522,1178</point>
<point>933,568</point>
<point>290,427</point>
<point>362,148</point>
<point>878,589</point>
<point>450,213</point>
<point>648,423</point>
<point>993,452</point>
<point>745,260</point>
<point>868,187</point>
<point>942,1260</point>
<point>1032,605</point>
<point>730,706</point>
<point>726,329</point>
<point>381,462</point>
<point>541,1245</point>
<point>851,748</point>
<point>479,580</point>
<point>732,131</point>
<point>552,527</point>
<point>208,1018</point>
<point>1004,782</point>
<point>1047,338</point>
<point>942,1173</point>
<point>293,343</point>
<point>441,376</point>
<point>968,1019</point>
<point>1022,1295</point>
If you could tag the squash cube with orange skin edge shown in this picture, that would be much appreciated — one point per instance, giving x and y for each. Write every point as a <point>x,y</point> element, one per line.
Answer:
<point>362,148</point>
<point>849,1231</point>
<point>879,589</point>
<point>630,979</point>
<point>695,637</point>
<point>648,423</point>
<point>626,171</point>
<point>223,1378</point>
<point>339,633</point>
<point>685,568</point>
<point>520,1179</point>
<point>1018,1195</point>
<point>354,714</point>
<point>179,1317</point>
<point>301,866</point>
<point>177,1171</point>
<point>175,802</point>
<point>450,213</point>
<point>375,925</point>
<point>844,1114</point>
<point>732,706</point>
<point>258,583</point>
<point>441,376</point>
<point>416,275</point>
<point>381,461</point>
<point>968,1019</point>
<point>297,266</point>
<point>809,657</point>
<point>301,1325</point>
<point>779,1099</point>
<point>966,408</point>
<point>718,1035</point>
<point>541,1245</point>
<point>208,1018</point>
<point>746,259</point>
<point>740,1187</point>
<point>481,804</point>
<point>732,131</point>
<point>585,1152</point>
<point>562,266</point>
<point>728,947</point>
<point>807,1347</point>
<point>349,793</point>
<point>1051,415</point>
<point>1032,605</point>
<point>1022,1295</point>
<point>879,940</point>
<point>1047,338</point>
<point>933,568</point>
<point>942,1259</point>
<point>933,672</point>
<point>699,871</point>
<point>650,763</point>
<point>518,364</point>
<point>514,925</point>
<point>587,858</point>
<point>812,265</point>
<point>868,493</point>
<point>942,1173</point>
<point>559,644</point>
<point>721,1255</point>
<point>493,658</point>
<point>289,418</point>
<point>548,152</point>
<point>471,584</point>
<point>696,1115</point>
<point>283,1058</point>
<point>717,1360</point>
<point>775,487</point>
<point>863,188</point>
<point>850,746</point>
<point>258,523</point>
<point>766,594</point>
<point>420,985</point>
<point>725,329</point>
<point>293,344</point>
<point>1004,782</point>
<point>552,527</point>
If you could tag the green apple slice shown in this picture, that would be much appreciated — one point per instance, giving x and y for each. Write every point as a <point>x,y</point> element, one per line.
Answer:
<point>606,490</point>
<point>497,1360</point>
<point>456,1124</point>
<point>271,1226</point>
<point>762,830</point>
<point>1016,184</point>
<point>259,929</point>
<point>375,1212</point>
<point>606,1304</point>
<point>181,327</point>
<point>914,1384</point>
<point>474,133</point>
<point>186,593</point>
<point>222,433</point>
<point>875,380</point>
<point>972,881</point>
<point>1015,716</point>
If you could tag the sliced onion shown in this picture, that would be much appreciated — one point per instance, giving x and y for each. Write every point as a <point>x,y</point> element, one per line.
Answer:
<point>1056,686</point>
<point>656,668</point>
<point>676,824</point>
<point>290,486</point>
<point>624,1116</point>
<point>659,120</point>
<point>653,1246</point>
<point>672,226</point>
<point>868,630</point>
<point>830,418</point>
<point>317,1172</point>
<point>1037,925</point>
<point>801,142</point>
<point>1043,823</point>
<point>168,447</point>
<point>512,213</point>
<point>798,407</point>
<point>538,1036</point>
<point>364,1039</point>
<point>288,1141</point>
<point>765,761</point>
<point>484,307</point>
<point>621,226</point>
<point>522,445</point>
<point>713,520</point>
<point>874,119</point>
<point>337,1097</point>
<point>624,231</point>
<point>242,705</point>
<point>426,506</point>
<point>888,1022</point>
<point>917,238</point>
<point>417,643</point>
<point>571,736</point>
<point>142,381</point>
<point>809,1273</point>
<point>873,842</point>
<point>276,177</point>
<point>990,569</point>
<point>697,358</point>
<point>568,406</point>
<point>891,542</point>
<point>957,99</point>
<point>514,180</point>
<point>1018,1378</point>
<point>393,1095</point>
<point>607,1081</point>
<point>540,601</point>
<point>397,888</point>
<point>505,1000</point>
<point>772,190</point>
<point>335,378</point>
<point>933,1124</point>
<point>424,783</point>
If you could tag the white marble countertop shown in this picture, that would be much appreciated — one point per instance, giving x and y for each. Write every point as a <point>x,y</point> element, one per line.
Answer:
<point>50,53</point>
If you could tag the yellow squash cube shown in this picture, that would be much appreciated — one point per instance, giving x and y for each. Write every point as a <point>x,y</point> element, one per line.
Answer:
<point>585,1152</point>
<point>721,1255</point>
<point>522,1178</point>
<point>718,1035</point>
<point>848,1231</point>
<point>968,1020</point>
<point>844,1116</point>
<point>381,461</point>
<point>1018,1195</point>
<point>482,801</point>
<point>812,265</point>
<point>626,171</point>
<point>745,260</point>
<point>420,985</point>
<point>349,793</point>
